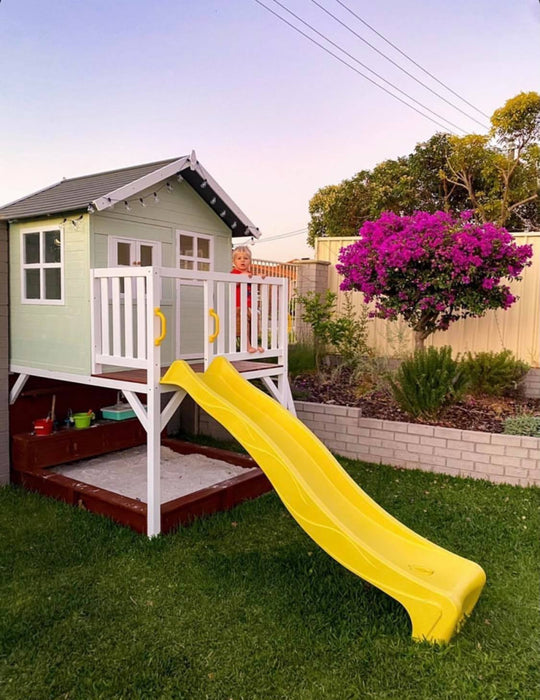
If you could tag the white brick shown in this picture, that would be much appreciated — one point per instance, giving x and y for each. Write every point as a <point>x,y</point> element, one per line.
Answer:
<point>493,469</point>
<point>490,449</point>
<point>421,449</point>
<point>371,423</point>
<point>355,430</point>
<point>415,429</point>
<point>445,452</point>
<point>516,451</point>
<point>532,442</point>
<point>505,461</point>
<point>517,472</point>
<point>457,445</point>
<point>450,433</point>
<point>475,457</point>
<point>475,436</point>
<point>405,437</point>
<point>434,442</point>
<point>382,434</point>
<point>500,439</point>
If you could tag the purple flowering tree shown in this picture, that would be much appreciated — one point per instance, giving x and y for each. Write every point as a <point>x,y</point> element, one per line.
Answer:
<point>432,269</point>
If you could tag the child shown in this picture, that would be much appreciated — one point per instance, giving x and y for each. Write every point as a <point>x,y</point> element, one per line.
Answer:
<point>241,260</point>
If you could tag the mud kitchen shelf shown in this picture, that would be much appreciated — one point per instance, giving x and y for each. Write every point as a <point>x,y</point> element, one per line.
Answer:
<point>31,451</point>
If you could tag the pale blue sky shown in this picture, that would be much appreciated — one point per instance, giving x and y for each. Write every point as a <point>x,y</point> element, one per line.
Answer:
<point>101,84</point>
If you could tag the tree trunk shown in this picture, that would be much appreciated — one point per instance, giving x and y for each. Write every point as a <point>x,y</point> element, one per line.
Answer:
<point>418,340</point>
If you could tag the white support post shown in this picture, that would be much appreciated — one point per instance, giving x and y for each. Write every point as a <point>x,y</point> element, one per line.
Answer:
<point>17,388</point>
<point>153,409</point>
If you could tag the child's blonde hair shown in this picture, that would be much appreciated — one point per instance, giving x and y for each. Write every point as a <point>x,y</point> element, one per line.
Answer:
<point>241,249</point>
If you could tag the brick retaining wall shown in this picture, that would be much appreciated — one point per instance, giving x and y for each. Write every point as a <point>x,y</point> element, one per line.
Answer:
<point>509,459</point>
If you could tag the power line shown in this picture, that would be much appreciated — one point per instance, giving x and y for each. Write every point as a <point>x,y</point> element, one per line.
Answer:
<point>296,29</point>
<point>403,70</point>
<point>337,46</point>
<point>410,59</point>
<point>283,235</point>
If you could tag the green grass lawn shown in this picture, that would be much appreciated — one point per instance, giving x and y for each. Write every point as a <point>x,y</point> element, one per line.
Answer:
<point>245,605</point>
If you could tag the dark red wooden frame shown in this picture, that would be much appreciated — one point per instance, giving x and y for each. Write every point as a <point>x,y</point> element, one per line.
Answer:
<point>132,513</point>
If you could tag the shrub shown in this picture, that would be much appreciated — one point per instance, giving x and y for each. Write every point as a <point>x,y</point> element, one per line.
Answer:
<point>345,332</point>
<point>427,381</point>
<point>525,424</point>
<point>432,269</point>
<point>494,373</point>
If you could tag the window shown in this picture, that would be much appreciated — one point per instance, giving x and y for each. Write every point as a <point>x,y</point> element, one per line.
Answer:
<point>195,252</point>
<point>124,251</point>
<point>42,277</point>
<point>128,252</point>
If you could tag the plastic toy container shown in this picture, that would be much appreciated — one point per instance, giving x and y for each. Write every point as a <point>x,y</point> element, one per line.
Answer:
<point>43,426</point>
<point>117,412</point>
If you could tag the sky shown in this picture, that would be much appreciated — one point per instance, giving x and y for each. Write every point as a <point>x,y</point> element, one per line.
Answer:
<point>103,84</point>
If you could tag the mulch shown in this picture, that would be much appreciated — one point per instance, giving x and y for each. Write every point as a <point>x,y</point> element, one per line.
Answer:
<point>484,413</point>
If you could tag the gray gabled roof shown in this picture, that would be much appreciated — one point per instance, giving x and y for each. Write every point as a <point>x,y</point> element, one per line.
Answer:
<point>102,190</point>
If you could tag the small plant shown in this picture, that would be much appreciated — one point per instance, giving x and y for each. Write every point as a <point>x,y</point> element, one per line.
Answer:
<point>427,381</point>
<point>317,311</point>
<point>494,373</point>
<point>344,332</point>
<point>526,424</point>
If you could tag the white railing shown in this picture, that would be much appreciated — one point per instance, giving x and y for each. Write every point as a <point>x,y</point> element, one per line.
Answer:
<point>129,318</point>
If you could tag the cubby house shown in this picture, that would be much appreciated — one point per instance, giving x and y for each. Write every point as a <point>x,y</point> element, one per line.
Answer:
<point>115,275</point>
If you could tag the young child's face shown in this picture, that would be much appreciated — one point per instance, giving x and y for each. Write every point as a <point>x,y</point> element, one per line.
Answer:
<point>242,261</point>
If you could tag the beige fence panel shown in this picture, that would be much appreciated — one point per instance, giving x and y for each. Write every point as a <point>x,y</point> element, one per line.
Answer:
<point>517,329</point>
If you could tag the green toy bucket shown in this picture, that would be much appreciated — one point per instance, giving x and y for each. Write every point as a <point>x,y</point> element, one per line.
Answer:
<point>83,420</point>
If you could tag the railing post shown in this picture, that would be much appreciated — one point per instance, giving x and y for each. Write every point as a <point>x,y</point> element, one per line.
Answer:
<point>153,407</point>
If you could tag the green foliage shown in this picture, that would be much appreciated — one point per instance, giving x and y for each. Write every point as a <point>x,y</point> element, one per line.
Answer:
<point>317,311</point>
<point>301,358</point>
<point>496,175</point>
<point>427,381</point>
<point>494,373</point>
<point>526,424</point>
<point>343,332</point>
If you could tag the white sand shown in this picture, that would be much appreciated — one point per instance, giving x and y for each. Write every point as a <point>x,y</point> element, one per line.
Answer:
<point>124,472</point>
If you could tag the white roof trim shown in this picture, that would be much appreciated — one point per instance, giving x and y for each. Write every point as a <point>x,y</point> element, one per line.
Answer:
<point>142,183</point>
<point>191,162</point>
<point>252,230</point>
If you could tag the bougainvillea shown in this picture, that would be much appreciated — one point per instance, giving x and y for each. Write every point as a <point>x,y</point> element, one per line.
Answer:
<point>432,269</point>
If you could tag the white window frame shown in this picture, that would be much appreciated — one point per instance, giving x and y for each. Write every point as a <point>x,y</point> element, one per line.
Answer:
<point>136,243</point>
<point>42,266</point>
<point>195,259</point>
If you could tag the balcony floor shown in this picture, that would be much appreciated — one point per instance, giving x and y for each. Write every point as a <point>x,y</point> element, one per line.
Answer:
<point>139,375</point>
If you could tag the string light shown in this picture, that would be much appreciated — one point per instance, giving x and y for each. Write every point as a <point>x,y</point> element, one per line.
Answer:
<point>213,201</point>
<point>74,222</point>
<point>141,200</point>
<point>203,184</point>
<point>156,198</point>
<point>91,209</point>
<point>169,187</point>
<point>126,204</point>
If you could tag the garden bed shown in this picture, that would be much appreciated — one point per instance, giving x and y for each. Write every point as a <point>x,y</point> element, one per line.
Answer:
<point>484,413</point>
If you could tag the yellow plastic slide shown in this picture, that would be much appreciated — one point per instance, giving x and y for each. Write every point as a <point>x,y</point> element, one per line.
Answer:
<point>437,588</point>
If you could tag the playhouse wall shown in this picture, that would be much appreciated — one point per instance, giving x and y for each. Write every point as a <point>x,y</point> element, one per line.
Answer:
<point>53,336</point>
<point>179,209</point>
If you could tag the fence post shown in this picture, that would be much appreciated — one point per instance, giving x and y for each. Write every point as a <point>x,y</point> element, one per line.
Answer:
<point>312,277</point>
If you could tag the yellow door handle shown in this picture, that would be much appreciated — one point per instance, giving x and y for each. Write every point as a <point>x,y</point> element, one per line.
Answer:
<point>215,334</point>
<point>159,313</point>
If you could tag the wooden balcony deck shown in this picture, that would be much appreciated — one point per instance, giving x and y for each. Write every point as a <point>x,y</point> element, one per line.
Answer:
<point>138,376</point>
